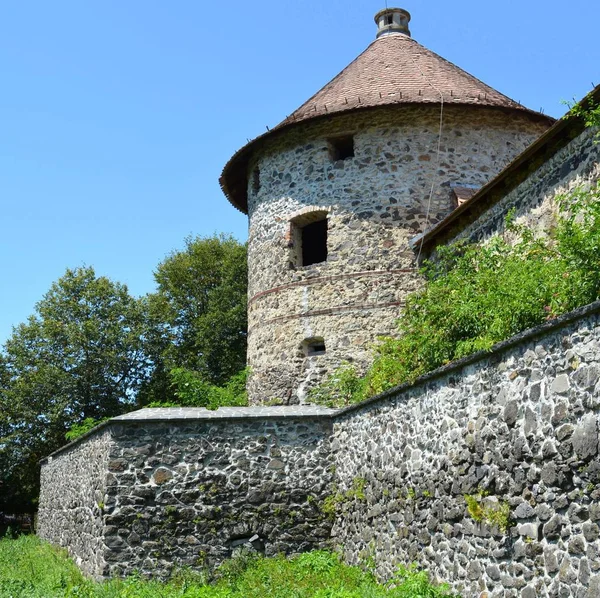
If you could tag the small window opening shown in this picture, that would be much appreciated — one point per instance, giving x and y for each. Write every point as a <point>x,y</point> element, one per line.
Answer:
<point>308,239</point>
<point>314,346</point>
<point>341,148</point>
<point>256,180</point>
<point>314,243</point>
<point>389,19</point>
<point>462,194</point>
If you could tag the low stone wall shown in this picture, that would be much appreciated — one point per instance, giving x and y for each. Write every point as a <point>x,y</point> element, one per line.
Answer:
<point>513,434</point>
<point>189,487</point>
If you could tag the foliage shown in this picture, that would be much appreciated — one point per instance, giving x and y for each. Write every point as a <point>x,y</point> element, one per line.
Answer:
<point>409,582</point>
<point>339,500</point>
<point>191,390</point>
<point>478,295</point>
<point>78,430</point>
<point>590,113</point>
<point>340,389</point>
<point>197,320</point>
<point>79,356</point>
<point>494,514</point>
<point>30,568</point>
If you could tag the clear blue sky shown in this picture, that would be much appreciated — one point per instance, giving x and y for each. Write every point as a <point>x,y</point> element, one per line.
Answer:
<point>116,117</point>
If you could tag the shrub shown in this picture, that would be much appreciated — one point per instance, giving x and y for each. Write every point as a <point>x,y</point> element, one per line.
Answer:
<point>77,430</point>
<point>192,390</point>
<point>476,295</point>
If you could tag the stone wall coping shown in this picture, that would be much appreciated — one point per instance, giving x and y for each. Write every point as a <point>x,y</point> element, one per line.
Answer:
<point>181,414</point>
<point>495,351</point>
<point>200,413</point>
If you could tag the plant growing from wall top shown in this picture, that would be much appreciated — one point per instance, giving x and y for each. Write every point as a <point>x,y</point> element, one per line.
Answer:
<point>589,111</point>
<point>477,295</point>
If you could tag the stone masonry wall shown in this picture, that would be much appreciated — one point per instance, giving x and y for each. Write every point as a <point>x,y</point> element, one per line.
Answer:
<point>73,489</point>
<point>375,202</point>
<point>516,434</point>
<point>513,432</point>
<point>190,488</point>
<point>577,164</point>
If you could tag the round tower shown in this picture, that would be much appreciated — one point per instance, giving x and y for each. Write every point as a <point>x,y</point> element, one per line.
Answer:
<point>335,192</point>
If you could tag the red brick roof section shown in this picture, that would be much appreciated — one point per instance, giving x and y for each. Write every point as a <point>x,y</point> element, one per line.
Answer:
<point>393,70</point>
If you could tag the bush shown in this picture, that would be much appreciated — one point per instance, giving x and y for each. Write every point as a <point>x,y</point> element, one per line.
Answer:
<point>192,390</point>
<point>77,430</point>
<point>478,295</point>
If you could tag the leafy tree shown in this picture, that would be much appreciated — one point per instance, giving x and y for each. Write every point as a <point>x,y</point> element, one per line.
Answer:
<point>79,356</point>
<point>197,318</point>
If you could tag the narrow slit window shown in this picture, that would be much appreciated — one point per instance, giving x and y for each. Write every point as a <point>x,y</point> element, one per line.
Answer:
<point>389,20</point>
<point>314,347</point>
<point>256,180</point>
<point>341,148</point>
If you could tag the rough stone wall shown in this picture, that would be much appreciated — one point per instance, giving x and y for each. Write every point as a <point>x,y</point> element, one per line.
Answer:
<point>191,492</point>
<point>375,202</point>
<point>73,488</point>
<point>514,429</point>
<point>517,429</point>
<point>577,164</point>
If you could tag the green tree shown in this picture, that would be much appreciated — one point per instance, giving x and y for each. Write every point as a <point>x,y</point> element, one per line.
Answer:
<point>197,318</point>
<point>79,356</point>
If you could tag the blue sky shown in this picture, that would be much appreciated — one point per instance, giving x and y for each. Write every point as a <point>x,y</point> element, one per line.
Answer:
<point>116,118</point>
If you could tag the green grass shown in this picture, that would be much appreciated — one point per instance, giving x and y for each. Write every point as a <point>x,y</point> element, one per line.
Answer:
<point>30,568</point>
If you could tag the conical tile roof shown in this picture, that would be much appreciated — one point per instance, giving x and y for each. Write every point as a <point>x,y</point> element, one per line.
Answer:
<point>393,70</point>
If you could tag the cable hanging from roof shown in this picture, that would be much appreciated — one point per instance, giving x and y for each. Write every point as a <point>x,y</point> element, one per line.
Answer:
<point>439,147</point>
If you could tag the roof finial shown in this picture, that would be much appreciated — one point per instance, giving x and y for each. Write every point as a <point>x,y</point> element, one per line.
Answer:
<point>392,20</point>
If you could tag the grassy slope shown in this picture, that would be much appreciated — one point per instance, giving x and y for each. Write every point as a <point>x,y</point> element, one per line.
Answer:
<point>30,568</point>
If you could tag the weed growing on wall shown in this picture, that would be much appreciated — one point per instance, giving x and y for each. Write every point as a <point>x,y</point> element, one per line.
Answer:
<point>590,113</point>
<point>494,514</point>
<point>477,295</point>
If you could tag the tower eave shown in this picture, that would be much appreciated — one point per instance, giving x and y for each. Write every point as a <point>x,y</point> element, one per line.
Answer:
<point>234,177</point>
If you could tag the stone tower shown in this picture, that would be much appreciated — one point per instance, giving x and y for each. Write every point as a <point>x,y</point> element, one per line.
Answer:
<point>335,192</point>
